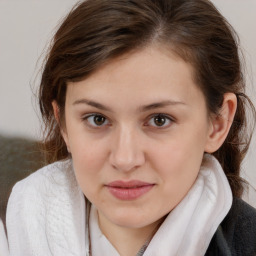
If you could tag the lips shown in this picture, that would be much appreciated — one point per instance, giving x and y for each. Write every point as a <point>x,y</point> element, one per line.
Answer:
<point>129,190</point>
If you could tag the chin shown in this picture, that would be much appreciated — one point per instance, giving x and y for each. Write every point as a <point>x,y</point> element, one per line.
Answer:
<point>129,219</point>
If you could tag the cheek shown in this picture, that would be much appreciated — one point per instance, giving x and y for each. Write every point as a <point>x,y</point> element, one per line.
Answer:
<point>178,160</point>
<point>87,171</point>
<point>87,151</point>
<point>177,172</point>
<point>89,160</point>
<point>178,150</point>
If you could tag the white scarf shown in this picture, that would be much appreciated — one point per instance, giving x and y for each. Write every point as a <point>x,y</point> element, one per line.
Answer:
<point>189,228</point>
<point>46,215</point>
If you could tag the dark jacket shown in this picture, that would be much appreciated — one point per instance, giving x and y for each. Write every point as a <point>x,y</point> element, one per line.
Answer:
<point>236,235</point>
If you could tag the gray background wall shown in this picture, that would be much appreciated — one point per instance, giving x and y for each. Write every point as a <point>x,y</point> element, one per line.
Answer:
<point>26,26</point>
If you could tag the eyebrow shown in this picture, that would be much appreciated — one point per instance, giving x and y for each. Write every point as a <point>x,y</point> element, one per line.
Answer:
<point>141,108</point>
<point>92,103</point>
<point>160,105</point>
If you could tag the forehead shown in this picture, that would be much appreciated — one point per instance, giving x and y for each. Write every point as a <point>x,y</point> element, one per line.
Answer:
<point>146,75</point>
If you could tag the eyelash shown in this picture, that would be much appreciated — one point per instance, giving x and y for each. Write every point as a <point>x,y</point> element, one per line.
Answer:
<point>94,115</point>
<point>166,118</point>
<point>106,122</point>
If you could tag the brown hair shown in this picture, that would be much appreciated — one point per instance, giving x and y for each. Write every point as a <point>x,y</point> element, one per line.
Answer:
<point>96,31</point>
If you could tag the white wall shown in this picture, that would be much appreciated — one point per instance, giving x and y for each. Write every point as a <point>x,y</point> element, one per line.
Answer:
<point>25,28</point>
<point>27,25</point>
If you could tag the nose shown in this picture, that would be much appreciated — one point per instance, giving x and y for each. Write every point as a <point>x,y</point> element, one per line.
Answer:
<point>127,150</point>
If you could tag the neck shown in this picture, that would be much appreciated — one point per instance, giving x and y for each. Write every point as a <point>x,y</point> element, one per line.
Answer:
<point>127,241</point>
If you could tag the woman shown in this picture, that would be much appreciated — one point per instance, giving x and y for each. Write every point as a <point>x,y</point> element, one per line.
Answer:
<point>144,109</point>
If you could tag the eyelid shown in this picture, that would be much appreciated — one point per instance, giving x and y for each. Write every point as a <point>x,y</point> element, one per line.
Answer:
<point>170,118</point>
<point>162,114</point>
<point>87,116</point>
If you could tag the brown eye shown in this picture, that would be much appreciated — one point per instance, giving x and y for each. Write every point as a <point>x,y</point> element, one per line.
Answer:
<point>99,120</point>
<point>159,120</point>
<point>96,120</point>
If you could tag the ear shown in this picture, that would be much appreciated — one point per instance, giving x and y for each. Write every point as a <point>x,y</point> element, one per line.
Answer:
<point>56,111</point>
<point>220,124</point>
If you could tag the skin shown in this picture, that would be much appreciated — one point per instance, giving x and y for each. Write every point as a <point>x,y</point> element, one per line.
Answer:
<point>129,144</point>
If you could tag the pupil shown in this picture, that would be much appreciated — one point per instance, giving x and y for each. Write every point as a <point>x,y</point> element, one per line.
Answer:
<point>159,120</point>
<point>99,120</point>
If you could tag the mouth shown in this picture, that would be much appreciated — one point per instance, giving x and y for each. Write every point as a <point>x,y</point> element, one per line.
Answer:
<point>129,190</point>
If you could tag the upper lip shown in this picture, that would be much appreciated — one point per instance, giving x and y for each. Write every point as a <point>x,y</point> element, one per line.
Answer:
<point>128,184</point>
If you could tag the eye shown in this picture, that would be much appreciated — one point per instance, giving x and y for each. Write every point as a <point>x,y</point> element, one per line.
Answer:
<point>96,120</point>
<point>159,120</point>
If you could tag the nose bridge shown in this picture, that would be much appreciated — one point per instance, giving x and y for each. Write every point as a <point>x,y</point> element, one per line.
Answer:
<point>126,153</point>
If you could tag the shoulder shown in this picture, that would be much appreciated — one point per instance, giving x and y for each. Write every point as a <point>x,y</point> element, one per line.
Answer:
<point>43,186</point>
<point>237,233</point>
<point>43,209</point>
<point>243,211</point>
<point>240,226</point>
<point>240,221</point>
<point>35,192</point>
<point>50,177</point>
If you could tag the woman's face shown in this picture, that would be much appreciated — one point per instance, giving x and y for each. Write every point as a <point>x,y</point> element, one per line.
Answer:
<point>137,130</point>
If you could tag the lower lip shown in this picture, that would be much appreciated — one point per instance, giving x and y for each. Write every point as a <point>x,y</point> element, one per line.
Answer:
<point>129,193</point>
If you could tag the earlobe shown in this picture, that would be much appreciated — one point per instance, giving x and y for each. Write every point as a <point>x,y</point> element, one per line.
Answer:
<point>221,123</point>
